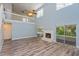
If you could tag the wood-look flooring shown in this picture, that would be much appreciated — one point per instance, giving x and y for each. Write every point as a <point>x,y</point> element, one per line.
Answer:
<point>37,47</point>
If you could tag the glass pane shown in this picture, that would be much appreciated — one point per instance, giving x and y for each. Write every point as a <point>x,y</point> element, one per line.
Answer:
<point>60,34</point>
<point>40,13</point>
<point>60,30</point>
<point>70,30</point>
<point>70,34</point>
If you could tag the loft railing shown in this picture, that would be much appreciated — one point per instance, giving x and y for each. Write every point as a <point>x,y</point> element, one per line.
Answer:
<point>18,17</point>
<point>13,16</point>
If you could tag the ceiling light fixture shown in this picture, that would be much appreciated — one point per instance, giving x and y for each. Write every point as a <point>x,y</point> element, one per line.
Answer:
<point>31,13</point>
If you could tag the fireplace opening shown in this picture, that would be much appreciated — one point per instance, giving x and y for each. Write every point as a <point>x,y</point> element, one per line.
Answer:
<point>48,35</point>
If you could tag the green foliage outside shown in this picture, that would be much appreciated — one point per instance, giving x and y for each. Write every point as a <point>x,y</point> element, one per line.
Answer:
<point>70,30</point>
<point>60,30</point>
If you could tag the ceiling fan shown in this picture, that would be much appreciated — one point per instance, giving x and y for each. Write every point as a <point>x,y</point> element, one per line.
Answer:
<point>31,13</point>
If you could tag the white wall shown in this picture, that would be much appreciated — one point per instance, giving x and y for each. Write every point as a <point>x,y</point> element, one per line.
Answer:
<point>8,8</point>
<point>1,39</point>
<point>0,34</point>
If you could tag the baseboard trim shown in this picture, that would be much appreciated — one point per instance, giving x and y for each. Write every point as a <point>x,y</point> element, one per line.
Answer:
<point>7,39</point>
<point>23,37</point>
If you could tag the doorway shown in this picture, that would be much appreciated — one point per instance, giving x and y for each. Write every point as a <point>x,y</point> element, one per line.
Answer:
<point>7,31</point>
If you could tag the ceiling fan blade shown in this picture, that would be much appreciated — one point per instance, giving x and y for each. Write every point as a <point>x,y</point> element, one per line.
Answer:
<point>35,13</point>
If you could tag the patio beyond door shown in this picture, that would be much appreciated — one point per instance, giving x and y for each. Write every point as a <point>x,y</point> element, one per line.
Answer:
<point>66,34</point>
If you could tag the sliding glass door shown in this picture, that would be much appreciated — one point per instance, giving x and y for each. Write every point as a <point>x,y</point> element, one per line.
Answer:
<point>66,34</point>
<point>70,34</point>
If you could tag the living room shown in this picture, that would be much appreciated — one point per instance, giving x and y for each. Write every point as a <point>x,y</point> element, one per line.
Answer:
<point>48,22</point>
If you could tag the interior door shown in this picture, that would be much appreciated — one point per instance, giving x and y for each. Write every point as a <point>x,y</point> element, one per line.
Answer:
<point>7,31</point>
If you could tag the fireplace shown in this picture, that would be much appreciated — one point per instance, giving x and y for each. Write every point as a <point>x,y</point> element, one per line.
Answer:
<point>48,35</point>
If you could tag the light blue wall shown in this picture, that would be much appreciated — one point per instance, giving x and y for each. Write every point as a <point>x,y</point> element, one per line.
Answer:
<point>53,18</point>
<point>48,20</point>
<point>69,15</point>
<point>23,30</point>
<point>20,29</point>
<point>48,17</point>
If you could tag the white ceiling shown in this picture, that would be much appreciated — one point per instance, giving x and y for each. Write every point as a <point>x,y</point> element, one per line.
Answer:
<point>26,6</point>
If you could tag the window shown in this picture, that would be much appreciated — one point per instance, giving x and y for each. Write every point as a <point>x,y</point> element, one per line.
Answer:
<point>62,5</point>
<point>40,13</point>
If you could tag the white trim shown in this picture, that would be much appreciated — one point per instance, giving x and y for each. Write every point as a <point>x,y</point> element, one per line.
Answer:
<point>24,18</point>
<point>15,14</point>
<point>18,21</point>
<point>30,22</point>
<point>48,39</point>
<point>23,37</point>
<point>66,36</point>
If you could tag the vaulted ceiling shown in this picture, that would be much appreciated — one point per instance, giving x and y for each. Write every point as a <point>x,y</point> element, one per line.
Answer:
<point>18,7</point>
